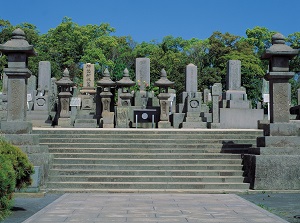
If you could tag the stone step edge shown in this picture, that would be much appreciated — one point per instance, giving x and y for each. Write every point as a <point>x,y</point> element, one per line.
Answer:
<point>146,183</point>
<point>185,191</point>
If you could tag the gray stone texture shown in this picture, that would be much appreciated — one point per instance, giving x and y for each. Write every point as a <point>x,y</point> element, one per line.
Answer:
<point>233,78</point>
<point>231,118</point>
<point>142,71</point>
<point>191,78</point>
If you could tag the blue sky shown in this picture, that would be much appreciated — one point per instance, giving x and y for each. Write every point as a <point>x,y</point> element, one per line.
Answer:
<point>154,19</point>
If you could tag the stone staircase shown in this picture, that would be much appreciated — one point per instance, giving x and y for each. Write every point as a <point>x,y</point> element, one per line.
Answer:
<point>147,160</point>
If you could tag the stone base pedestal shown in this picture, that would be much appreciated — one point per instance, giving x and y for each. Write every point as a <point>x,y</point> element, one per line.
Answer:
<point>235,118</point>
<point>108,119</point>
<point>273,172</point>
<point>164,125</point>
<point>122,117</point>
<point>213,125</point>
<point>85,123</point>
<point>16,127</point>
<point>64,123</point>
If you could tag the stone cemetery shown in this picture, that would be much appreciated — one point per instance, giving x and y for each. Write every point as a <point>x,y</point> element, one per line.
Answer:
<point>107,121</point>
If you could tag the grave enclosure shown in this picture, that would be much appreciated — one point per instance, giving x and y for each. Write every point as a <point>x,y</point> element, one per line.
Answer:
<point>60,104</point>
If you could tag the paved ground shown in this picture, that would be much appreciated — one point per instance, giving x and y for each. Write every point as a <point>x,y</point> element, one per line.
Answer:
<point>88,208</point>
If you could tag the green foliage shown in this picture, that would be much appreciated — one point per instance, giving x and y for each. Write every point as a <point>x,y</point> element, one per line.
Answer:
<point>70,45</point>
<point>7,186</point>
<point>19,160</point>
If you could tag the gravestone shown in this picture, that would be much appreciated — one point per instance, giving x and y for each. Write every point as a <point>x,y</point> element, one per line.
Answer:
<point>235,109</point>
<point>216,95</point>
<point>85,112</point>
<point>142,72</point>
<point>88,79</point>
<point>31,88</point>
<point>188,112</point>
<point>191,78</point>
<point>44,84</point>
<point>233,78</point>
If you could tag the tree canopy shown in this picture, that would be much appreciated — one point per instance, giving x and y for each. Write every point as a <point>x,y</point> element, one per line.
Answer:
<point>70,45</point>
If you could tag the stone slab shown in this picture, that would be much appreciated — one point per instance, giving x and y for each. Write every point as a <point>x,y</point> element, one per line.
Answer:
<point>233,118</point>
<point>22,139</point>
<point>281,129</point>
<point>278,141</point>
<point>275,172</point>
<point>11,127</point>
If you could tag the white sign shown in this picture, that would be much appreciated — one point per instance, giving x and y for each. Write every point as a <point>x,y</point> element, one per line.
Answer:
<point>29,97</point>
<point>75,101</point>
<point>266,98</point>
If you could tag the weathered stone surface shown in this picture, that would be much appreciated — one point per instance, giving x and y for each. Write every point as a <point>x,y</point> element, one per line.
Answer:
<point>122,117</point>
<point>281,129</point>
<point>142,71</point>
<point>277,172</point>
<point>22,139</point>
<point>18,127</point>
<point>191,78</point>
<point>231,118</point>
<point>278,141</point>
<point>233,78</point>
<point>279,103</point>
<point>88,79</point>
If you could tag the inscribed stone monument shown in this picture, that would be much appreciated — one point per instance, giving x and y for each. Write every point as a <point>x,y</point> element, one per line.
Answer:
<point>191,80</point>
<point>142,71</point>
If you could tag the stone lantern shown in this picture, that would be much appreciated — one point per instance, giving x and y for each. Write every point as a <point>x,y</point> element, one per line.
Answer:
<point>125,83</point>
<point>64,97</point>
<point>279,55</point>
<point>163,83</point>
<point>106,83</point>
<point>17,50</point>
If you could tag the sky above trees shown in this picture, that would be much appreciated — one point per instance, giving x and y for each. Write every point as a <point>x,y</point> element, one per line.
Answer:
<point>153,20</point>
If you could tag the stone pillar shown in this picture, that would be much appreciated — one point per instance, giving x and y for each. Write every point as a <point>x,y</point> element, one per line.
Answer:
<point>275,163</point>
<point>142,69</point>
<point>64,97</point>
<point>17,50</point>
<point>44,84</point>
<point>216,94</point>
<point>163,83</point>
<point>107,116</point>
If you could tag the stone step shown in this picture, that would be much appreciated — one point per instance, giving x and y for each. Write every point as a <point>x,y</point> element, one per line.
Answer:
<point>151,136</point>
<point>144,161</point>
<point>149,191</point>
<point>149,141</point>
<point>139,145</point>
<point>132,150</point>
<point>102,131</point>
<point>153,173</point>
<point>95,167</point>
<point>162,179</point>
<point>146,185</point>
<point>148,155</point>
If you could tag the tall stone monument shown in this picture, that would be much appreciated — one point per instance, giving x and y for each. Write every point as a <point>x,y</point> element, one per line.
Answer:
<point>188,113</point>
<point>85,117</point>
<point>44,84</point>
<point>16,128</point>
<point>235,108</point>
<point>276,163</point>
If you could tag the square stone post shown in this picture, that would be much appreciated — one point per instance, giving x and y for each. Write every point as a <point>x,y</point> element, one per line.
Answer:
<point>17,50</point>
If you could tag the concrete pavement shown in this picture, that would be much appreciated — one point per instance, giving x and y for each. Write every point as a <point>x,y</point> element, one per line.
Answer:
<point>95,208</point>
